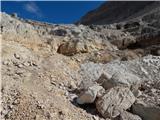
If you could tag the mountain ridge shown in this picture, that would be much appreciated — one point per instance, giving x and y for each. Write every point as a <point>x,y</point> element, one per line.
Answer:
<point>109,11</point>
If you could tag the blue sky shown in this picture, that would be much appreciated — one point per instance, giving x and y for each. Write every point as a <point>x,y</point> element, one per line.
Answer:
<point>50,11</point>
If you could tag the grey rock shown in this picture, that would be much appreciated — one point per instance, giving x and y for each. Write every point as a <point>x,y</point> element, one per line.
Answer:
<point>20,65</point>
<point>146,111</point>
<point>127,116</point>
<point>89,95</point>
<point>72,85</point>
<point>125,79</point>
<point>5,62</point>
<point>115,101</point>
<point>26,64</point>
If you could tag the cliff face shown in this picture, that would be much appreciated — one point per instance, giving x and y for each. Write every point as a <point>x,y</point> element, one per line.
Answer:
<point>140,19</point>
<point>113,11</point>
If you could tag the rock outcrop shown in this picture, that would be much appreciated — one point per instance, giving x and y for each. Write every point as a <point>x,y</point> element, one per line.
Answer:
<point>140,19</point>
<point>117,11</point>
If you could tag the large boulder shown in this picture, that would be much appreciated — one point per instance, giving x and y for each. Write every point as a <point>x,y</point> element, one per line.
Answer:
<point>146,111</point>
<point>72,47</point>
<point>120,79</point>
<point>115,101</point>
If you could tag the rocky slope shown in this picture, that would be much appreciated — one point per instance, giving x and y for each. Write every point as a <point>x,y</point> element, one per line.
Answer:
<point>68,72</point>
<point>118,11</point>
<point>139,19</point>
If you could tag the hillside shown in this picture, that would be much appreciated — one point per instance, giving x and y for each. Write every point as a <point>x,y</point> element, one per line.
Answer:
<point>81,72</point>
<point>119,11</point>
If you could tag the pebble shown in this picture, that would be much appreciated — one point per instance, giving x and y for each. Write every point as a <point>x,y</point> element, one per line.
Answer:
<point>72,85</point>
<point>16,56</point>
<point>53,83</point>
<point>26,64</point>
<point>95,118</point>
<point>20,65</point>
<point>66,93</point>
<point>16,102</point>
<point>61,84</point>
<point>5,63</point>
<point>19,72</point>
<point>72,96</point>
<point>153,90</point>
<point>33,63</point>
<point>52,76</point>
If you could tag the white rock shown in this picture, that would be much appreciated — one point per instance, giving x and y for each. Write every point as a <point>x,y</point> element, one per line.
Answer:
<point>115,101</point>
<point>20,65</point>
<point>26,64</point>
<point>124,79</point>
<point>89,95</point>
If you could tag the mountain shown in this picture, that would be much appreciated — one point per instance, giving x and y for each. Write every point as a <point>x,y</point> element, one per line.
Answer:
<point>140,18</point>
<point>119,11</point>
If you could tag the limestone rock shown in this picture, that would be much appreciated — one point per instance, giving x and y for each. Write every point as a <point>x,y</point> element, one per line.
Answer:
<point>90,94</point>
<point>128,116</point>
<point>146,111</point>
<point>125,79</point>
<point>72,47</point>
<point>115,101</point>
<point>142,68</point>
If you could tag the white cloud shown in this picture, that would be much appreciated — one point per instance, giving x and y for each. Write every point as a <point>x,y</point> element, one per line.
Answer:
<point>33,8</point>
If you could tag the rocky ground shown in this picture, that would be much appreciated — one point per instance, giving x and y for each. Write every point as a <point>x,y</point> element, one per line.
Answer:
<point>78,72</point>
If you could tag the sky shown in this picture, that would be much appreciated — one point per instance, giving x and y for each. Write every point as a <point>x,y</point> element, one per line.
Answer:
<point>65,12</point>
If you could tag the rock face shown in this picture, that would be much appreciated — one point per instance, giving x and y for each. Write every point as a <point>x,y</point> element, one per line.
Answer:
<point>111,71</point>
<point>114,101</point>
<point>104,14</point>
<point>140,19</point>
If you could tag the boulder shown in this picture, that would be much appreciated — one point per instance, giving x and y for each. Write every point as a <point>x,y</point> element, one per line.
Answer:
<point>125,79</point>
<point>89,95</point>
<point>72,47</point>
<point>59,32</point>
<point>146,111</point>
<point>114,101</point>
<point>127,116</point>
